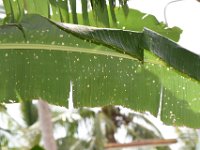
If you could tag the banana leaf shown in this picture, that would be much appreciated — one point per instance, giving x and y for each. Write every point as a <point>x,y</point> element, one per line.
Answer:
<point>39,58</point>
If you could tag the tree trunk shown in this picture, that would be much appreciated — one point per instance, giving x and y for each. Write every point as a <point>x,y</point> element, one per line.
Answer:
<point>46,125</point>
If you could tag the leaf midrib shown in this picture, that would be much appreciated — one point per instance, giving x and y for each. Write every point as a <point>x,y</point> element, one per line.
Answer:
<point>11,46</point>
<point>19,46</point>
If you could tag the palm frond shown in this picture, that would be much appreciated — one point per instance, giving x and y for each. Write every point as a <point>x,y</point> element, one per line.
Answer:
<point>62,10</point>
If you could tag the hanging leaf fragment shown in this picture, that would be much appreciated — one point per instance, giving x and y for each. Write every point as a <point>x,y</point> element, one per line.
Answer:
<point>84,4</point>
<point>100,12</point>
<point>64,10</point>
<point>73,11</point>
<point>124,5</point>
<point>112,5</point>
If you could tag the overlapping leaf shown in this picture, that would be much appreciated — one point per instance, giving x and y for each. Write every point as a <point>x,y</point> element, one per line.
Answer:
<point>130,43</point>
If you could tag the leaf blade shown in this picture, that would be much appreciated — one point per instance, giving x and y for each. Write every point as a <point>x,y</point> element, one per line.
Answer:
<point>45,72</point>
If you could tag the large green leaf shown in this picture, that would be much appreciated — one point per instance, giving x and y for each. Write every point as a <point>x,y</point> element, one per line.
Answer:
<point>39,58</point>
<point>40,44</point>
